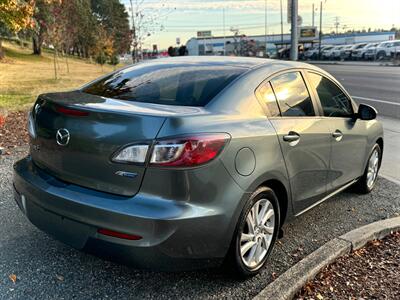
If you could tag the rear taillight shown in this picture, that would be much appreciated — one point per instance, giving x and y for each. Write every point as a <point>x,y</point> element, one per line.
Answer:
<point>188,151</point>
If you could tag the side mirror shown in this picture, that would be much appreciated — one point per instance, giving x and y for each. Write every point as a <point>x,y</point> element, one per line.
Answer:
<point>366,112</point>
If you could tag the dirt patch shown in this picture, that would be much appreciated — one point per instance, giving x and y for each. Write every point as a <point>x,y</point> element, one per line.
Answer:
<point>372,272</point>
<point>13,131</point>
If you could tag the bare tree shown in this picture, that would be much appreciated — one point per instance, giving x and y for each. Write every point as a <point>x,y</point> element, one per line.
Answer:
<point>146,21</point>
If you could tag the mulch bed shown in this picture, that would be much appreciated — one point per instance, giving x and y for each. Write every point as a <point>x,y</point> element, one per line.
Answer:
<point>13,130</point>
<point>372,272</point>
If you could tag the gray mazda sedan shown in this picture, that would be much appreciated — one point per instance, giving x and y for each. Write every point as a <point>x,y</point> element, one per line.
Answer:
<point>191,162</point>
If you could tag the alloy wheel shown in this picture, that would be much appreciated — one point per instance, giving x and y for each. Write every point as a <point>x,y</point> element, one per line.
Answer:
<point>373,167</point>
<point>256,237</point>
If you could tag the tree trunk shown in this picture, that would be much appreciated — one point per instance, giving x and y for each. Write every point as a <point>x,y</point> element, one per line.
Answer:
<point>1,50</point>
<point>36,45</point>
<point>55,64</point>
<point>66,61</point>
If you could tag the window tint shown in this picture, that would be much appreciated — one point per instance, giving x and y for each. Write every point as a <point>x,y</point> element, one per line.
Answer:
<point>166,84</point>
<point>334,102</point>
<point>266,95</point>
<point>292,95</point>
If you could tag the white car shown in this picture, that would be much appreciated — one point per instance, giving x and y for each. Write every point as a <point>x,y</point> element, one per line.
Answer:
<point>361,53</point>
<point>348,54</point>
<point>326,53</point>
<point>387,49</point>
<point>312,53</point>
<point>336,52</point>
<point>344,52</point>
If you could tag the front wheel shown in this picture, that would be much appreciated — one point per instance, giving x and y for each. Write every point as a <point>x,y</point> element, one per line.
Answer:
<point>255,234</point>
<point>367,181</point>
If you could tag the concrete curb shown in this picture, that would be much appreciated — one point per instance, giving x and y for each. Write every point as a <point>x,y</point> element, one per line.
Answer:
<point>287,284</point>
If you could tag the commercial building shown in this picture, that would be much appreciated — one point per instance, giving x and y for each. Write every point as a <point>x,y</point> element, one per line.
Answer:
<point>255,44</point>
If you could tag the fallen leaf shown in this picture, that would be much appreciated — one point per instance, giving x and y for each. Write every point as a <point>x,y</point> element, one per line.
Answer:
<point>13,278</point>
<point>376,243</point>
<point>60,277</point>
<point>319,296</point>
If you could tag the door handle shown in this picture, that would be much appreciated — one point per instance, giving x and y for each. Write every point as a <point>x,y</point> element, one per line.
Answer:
<point>338,135</point>
<point>292,137</point>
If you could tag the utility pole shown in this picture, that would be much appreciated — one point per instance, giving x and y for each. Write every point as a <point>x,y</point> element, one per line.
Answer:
<point>282,25</point>
<point>313,10</point>
<point>294,33</point>
<point>320,31</point>
<point>337,25</point>
<point>223,25</point>
<point>134,56</point>
<point>265,27</point>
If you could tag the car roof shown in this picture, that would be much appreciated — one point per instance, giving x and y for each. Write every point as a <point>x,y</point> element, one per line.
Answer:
<point>223,61</point>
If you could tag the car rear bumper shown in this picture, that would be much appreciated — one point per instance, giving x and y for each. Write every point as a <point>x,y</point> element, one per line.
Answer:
<point>175,235</point>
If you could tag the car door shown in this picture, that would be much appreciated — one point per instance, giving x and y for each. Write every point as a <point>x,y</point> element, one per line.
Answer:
<point>348,134</point>
<point>303,136</point>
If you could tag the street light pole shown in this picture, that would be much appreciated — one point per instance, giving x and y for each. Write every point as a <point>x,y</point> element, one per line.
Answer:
<point>294,35</point>
<point>223,21</point>
<point>313,9</point>
<point>281,26</point>
<point>320,30</point>
<point>265,27</point>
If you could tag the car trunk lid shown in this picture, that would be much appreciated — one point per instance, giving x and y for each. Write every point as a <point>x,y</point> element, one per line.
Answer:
<point>97,128</point>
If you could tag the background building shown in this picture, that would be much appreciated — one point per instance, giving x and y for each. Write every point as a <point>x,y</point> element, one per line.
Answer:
<point>254,45</point>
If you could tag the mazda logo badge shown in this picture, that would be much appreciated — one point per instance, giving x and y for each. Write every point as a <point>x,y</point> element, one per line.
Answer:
<point>62,137</point>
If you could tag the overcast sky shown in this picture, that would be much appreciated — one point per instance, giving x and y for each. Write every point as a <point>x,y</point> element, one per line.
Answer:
<point>185,18</point>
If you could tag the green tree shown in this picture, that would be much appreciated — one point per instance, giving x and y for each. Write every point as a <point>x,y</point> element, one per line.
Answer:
<point>111,14</point>
<point>15,15</point>
<point>42,17</point>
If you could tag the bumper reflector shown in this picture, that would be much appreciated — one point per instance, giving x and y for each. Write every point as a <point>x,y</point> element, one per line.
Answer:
<point>119,235</point>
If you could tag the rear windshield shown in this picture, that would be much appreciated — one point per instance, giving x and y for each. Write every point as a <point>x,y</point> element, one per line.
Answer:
<point>189,85</point>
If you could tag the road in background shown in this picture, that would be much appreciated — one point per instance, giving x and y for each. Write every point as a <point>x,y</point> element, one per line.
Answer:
<point>371,84</point>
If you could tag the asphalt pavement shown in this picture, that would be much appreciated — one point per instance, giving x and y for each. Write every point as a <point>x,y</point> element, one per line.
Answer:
<point>370,83</point>
<point>47,269</point>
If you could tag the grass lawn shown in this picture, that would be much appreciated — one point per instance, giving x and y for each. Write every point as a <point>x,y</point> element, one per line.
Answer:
<point>24,76</point>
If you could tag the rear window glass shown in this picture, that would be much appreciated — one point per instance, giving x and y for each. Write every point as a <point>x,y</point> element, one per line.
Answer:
<point>187,85</point>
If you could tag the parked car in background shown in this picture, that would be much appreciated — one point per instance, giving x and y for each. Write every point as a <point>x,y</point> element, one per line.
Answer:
<point>192,162</point>
<point>348,53</point>
<point>360,53</point>
<point>313,53</point>
<point>326,53</point>
<point>386,49</point>
<point>345,52</point>
<point>335,54</point>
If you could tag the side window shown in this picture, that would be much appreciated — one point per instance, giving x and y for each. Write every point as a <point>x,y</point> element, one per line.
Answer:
<point>292,95</point>
<point>334,102</point>
<point>266,95</point>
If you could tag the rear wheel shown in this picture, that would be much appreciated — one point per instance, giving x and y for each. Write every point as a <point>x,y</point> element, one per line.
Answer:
<point>381,55</point>
<point>255,234</point>
<point>367,182</point>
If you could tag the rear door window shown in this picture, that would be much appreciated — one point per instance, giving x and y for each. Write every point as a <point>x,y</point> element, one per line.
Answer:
<point>169,84</point>
<point>292,95</point>
<point>333,101</point>
<point>266,96</point>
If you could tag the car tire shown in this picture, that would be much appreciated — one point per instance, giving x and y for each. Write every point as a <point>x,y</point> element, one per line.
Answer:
<point>235,261</point>
<point>381,55</point>
<point>364,185</point>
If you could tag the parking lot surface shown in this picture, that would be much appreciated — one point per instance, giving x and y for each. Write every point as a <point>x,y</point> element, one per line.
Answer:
<point>47,269</point>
